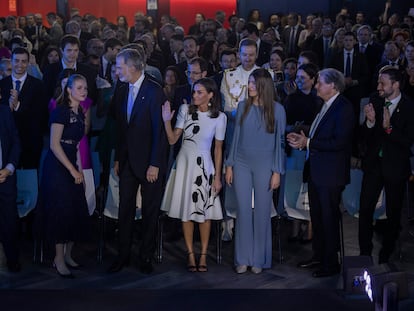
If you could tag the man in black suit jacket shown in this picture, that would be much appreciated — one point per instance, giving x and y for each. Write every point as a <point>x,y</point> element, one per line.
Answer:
<point>25,95</point>
<point>140,155</point>
<point>387,136</point>
<point>70,50</point>
<point>9,158</point>
<point>250,31</point>
<point>372,50</point>
<point>290,35</point>
<point>327,169</point>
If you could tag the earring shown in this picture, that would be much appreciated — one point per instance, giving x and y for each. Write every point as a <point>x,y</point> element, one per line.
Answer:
<point>209,104</point>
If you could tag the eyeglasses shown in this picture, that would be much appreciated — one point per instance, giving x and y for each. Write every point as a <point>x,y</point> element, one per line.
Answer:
<point>194,73</point>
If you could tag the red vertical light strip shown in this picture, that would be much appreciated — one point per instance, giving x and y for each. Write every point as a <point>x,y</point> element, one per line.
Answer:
<point>12,6</point>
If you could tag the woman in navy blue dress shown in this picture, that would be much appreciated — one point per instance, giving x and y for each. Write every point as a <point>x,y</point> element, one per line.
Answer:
<point>62,205</point>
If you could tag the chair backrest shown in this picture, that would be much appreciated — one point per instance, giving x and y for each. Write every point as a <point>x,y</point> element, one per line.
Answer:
<point>27,190</point>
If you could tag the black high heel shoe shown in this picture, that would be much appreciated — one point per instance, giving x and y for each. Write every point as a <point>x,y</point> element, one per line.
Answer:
<point>191,267</point>
<point>202,268</point>
<point>65,276</point>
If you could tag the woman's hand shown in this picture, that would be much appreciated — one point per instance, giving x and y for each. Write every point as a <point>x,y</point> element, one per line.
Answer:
<point>78,176</point>
<point>167,114</point>
<point>275,181</point>
<point>217,184</point>
<point>229,175</point>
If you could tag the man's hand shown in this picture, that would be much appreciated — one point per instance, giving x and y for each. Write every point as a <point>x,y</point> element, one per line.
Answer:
<point>14,99</point>
<point>369,112</point>
<point>297,140</point>
<point>152,173</point>
<point>4,173</point>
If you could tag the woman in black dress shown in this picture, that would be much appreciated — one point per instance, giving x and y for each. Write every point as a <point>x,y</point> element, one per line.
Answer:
<point>62,204</point>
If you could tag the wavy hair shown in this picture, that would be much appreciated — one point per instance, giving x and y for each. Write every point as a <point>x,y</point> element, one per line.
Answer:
<point>211,87</point>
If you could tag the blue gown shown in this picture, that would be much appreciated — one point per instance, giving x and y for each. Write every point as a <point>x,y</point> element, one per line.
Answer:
<point>62,211</point>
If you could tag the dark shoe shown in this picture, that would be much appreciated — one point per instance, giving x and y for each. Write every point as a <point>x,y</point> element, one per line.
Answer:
<point>321,273</point>
<point>13,266</point>
<point>145,266</point>
<point>191,267</point>
<point>309,264</point>
<point>63,275</point>
<point>116,267</point>
<point>202,268</point>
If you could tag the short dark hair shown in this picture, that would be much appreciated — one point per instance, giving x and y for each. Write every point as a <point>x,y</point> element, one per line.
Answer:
<point>191,38</point>
<point>247,42</point>
<point>111,43</point>
<point>251,28</point>
<point>394,73</point>
<point>310,69</point>
<point>350,33</point>
<point>69,39</point>
<point>201,62</point>
<point>228,52</point>
<point>20,50</point>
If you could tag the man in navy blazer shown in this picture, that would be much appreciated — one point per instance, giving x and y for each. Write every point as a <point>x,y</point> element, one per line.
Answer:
<point>387,136</point>
<point>140,155</point>
<point>25,96</point>
<point>9,158</point>
<point>69,46</point>
<point>327,169</point>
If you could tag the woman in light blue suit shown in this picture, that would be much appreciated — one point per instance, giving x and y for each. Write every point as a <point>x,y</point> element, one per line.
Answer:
<point>254,164</point>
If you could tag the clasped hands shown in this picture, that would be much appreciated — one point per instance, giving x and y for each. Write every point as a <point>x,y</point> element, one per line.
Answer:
<point>369,112</point>
<point>297,140</point>
<point>13,100</point>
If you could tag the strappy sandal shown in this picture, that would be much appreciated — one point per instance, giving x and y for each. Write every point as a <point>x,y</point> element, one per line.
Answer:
<point>202,268</point>
<point>191,267</point>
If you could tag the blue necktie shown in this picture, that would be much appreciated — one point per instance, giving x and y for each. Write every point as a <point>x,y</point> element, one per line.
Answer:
<point>348,65</point>
<point>18,84</point>
<point>131,99</point>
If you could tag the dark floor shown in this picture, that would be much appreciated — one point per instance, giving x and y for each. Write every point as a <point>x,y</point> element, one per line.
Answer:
<point>170,278</point>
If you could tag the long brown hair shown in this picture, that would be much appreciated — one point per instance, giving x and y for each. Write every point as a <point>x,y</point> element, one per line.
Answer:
<point>266,97</point>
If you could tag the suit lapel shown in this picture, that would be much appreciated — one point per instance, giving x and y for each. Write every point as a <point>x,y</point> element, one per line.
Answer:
<point>139,99</point>
<point>326,115</point>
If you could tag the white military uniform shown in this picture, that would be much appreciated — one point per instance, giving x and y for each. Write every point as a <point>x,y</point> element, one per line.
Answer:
<point>234,87</point>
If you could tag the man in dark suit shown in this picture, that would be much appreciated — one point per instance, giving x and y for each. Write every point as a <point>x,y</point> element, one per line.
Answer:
<point>290,35</point>
<point>25,96</point>
<point>140,155</point>
<point>191,50</point>
<point>250,31</point>
<point>70,50</point>
<point>9,158</point>
<point>321,45</point>
<point>354,66</point>
<point>327,169</point>
<point>387,136</point>
<point>371,49</point>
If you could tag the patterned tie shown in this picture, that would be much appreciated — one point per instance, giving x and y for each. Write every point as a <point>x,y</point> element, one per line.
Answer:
<point>131,99</point>
<point>348,65</point>
<point>18,84</point>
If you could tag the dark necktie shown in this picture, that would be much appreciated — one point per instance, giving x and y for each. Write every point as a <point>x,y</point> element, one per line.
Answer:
<point>387,104</point>
<point>18,84</point>
<point>362,49</point>
<point>292,40</point>
<point>348,65</point>
<point>108,72</point>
